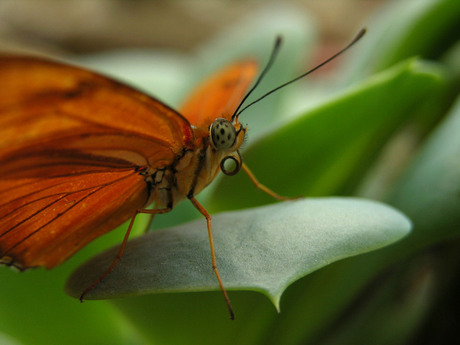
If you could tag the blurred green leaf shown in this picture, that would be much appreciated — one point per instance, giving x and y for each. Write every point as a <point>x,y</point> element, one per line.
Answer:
<point>202,316</point>
<point>389,312</point>
<point>7,340</point>
<point>430,190</point>
<point>401,30</point>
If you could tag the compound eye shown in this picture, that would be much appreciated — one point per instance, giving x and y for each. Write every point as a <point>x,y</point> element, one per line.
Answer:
<point>223,134</point>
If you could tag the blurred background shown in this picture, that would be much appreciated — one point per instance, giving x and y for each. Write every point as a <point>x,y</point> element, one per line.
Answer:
<point>404,295</point>
<point>82,27</point>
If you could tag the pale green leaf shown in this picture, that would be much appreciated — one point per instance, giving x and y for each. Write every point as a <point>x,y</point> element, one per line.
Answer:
<point>263,249</point>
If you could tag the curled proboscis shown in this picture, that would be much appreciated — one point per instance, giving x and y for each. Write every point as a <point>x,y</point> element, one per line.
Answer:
<point>238,165</point>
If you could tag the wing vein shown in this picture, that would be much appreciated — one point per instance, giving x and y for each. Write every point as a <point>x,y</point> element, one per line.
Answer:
<point>98,188</point>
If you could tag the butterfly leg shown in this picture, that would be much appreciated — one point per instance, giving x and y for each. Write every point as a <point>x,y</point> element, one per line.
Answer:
<point>205,213</point>
<point>152,212</point>
<point>263,188</point>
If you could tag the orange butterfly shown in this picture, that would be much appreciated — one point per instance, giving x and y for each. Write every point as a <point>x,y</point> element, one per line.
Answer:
<point>81,154</point>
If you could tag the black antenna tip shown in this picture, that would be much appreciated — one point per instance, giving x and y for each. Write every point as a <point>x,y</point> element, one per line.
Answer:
<point>360,34</point>
<point>278,41</point>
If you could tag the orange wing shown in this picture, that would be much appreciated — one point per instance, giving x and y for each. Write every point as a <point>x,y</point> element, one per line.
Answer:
<point>220,95</point>
<point>72,144</point>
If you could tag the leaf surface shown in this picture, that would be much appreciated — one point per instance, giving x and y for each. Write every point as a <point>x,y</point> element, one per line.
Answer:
<point>263,249</point>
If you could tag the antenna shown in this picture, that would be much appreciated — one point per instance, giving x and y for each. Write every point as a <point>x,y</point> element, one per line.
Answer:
<point>270,62</point>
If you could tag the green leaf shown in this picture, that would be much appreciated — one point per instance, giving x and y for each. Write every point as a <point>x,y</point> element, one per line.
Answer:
<point>418,28</point>
<point>391,310</point>
<point>430,190</point>
<point>263,249</point>
<point>7,340</point>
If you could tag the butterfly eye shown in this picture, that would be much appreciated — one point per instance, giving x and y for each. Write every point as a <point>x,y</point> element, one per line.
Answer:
<point>223,134</point>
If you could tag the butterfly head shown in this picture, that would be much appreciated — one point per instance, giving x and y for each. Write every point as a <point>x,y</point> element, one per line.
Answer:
<point>227,137</point>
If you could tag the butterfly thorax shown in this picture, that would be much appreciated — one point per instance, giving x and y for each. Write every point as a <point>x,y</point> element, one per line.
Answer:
<point>195,168</point>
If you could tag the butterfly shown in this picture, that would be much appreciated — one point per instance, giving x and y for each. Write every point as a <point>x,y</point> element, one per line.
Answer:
<point>81,153</point>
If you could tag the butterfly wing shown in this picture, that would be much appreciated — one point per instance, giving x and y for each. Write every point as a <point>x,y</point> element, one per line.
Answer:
<point>220,95</point>
<point>73,146</point>
<point>43,221</point>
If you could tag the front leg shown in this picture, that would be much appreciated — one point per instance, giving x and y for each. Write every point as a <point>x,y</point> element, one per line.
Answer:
<point>205,213</point>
